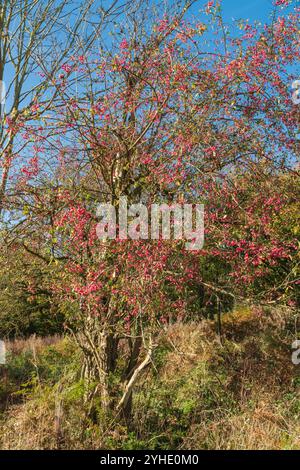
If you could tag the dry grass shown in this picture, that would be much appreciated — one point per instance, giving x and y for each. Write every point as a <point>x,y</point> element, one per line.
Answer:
<point>189,344</point>
<point>33,343</point>
<point>254,399</point>
<point>261,428</point>
<point>241,394</point>
<point>29,426</point>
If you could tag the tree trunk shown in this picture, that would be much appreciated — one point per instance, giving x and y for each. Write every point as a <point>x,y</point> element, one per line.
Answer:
<point>100,350</point>
<point>125,404</point>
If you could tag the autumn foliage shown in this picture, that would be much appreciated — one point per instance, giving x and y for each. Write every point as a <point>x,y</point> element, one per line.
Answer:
<point>160,116</point>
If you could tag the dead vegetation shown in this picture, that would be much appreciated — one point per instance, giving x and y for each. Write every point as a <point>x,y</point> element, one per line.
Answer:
<point>199,394</point>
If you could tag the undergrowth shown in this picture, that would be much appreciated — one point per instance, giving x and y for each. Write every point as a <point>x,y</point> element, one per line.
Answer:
<point>202,392</point>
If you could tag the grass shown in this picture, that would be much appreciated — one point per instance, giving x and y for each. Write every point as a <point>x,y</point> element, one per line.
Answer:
<point>200,394</point>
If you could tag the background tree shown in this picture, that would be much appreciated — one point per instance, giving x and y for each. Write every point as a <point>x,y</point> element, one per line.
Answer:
<point>27,303</point>
<point>36,38</point>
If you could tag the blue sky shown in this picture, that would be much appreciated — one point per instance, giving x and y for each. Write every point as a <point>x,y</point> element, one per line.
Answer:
<point>247,9</point>
<point>251,9</point>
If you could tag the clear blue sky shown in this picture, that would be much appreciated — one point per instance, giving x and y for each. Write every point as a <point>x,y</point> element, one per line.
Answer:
<point>248,9</point>
<point>251,9</point>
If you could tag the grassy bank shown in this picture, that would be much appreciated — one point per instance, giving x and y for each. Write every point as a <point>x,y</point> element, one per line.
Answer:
<point>240,392</point>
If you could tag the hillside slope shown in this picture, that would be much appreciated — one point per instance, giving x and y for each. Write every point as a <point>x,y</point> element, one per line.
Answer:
<point>200,393</point>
